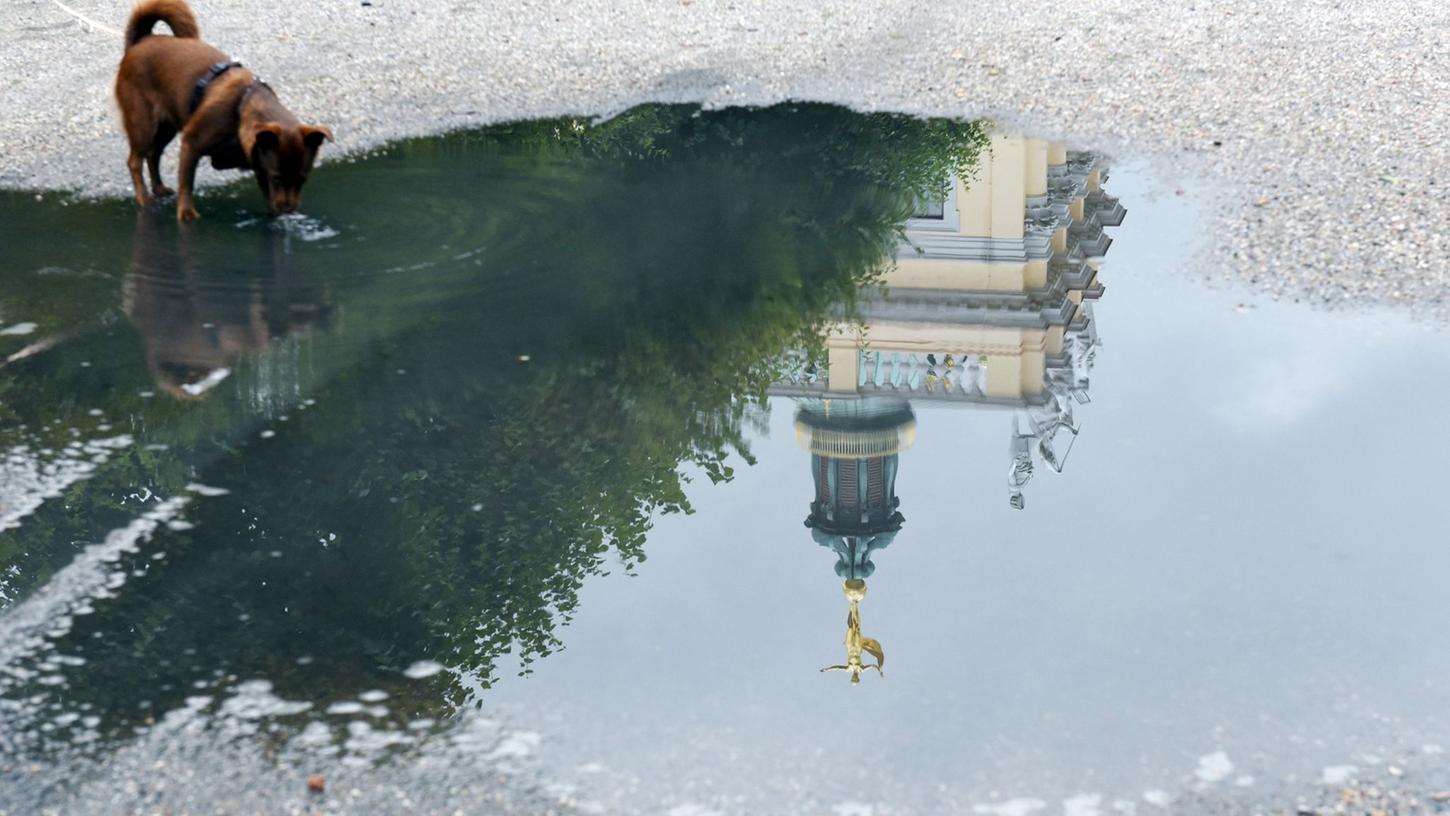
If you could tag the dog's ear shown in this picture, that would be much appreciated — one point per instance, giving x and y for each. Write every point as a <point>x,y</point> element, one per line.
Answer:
<point>261,135</point>
<point>314,135</point>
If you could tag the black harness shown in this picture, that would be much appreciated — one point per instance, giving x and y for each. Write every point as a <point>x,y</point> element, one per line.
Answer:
<point>198,93</point>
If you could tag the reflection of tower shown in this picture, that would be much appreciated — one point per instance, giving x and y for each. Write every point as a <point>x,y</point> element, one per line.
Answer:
<point>855,445</point>
<point>989,303</point>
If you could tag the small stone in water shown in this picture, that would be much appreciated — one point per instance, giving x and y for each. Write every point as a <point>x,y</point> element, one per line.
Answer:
<point>316,783</point>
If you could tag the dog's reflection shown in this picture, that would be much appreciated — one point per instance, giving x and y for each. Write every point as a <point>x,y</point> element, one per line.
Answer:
<point>203,307</point>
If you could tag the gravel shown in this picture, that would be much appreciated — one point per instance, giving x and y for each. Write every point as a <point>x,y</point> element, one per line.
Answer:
<point>1320,127</point>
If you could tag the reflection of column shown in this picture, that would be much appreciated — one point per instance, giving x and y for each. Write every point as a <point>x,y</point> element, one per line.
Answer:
<point>855,445</point>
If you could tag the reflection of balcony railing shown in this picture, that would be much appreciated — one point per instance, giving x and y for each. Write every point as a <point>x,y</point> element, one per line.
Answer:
<point>923,375</point>
<point>801,374</point>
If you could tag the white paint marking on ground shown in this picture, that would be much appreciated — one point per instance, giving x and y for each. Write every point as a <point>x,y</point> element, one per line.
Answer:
<point>88,21</point>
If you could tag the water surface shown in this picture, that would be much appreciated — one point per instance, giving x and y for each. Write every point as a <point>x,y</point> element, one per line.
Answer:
<point>497,462</point>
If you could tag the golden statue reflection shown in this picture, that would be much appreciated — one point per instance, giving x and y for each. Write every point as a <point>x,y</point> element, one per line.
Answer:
<point>854,444</point>
<point>856,642</point>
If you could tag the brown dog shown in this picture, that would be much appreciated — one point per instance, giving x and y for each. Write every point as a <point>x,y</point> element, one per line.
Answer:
<point>179,84</point>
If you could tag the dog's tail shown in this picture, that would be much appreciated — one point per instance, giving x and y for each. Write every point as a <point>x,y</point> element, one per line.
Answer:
<point>174,13</point>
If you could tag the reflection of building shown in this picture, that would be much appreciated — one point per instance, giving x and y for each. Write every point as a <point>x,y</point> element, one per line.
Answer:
<point>855,445</point>
<point>989,303</point>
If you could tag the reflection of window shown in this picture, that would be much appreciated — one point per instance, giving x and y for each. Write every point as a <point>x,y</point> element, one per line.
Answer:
<point>939,215</point>
<point>930,209</point>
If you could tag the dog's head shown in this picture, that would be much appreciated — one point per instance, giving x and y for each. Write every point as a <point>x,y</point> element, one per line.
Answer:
<point>282,156</point>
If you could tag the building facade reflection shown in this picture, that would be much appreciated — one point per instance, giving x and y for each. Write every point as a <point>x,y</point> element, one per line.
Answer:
<point>989,306</point>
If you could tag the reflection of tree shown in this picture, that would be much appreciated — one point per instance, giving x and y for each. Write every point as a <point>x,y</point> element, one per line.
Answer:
<point>442,498</point>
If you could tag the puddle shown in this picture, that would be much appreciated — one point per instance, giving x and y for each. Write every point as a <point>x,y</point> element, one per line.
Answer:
<point>659,463</point>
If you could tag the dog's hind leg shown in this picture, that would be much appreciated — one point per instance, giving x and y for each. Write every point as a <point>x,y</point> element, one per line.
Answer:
<point>164,134</point>
<point>140,127</point>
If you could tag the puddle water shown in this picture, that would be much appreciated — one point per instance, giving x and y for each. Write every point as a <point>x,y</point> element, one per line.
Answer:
<point>702,462</point>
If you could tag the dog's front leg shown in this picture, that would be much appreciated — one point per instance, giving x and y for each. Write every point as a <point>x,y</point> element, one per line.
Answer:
<point>185,178</point>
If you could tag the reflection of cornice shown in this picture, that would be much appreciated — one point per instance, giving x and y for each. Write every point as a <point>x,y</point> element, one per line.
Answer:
<point>1104,209</point>
<point>1066,182</point>
<point>975,308</point>
<point>1088,240</point>
<point>1075,276</point>
<point>1035,246</point>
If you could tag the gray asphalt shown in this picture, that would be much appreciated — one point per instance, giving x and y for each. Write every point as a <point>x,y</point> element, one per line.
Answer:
<point>1321,127</point>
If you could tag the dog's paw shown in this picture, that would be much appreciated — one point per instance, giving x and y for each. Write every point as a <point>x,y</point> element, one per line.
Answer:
<point>161,191</point>
<point>187,213</point>
<point>145,202</point>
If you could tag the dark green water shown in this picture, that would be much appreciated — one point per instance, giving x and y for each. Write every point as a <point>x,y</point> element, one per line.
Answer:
<point>306,494</point>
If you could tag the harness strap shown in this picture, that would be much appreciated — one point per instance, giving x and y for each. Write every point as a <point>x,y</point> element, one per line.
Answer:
<point>198,93</point>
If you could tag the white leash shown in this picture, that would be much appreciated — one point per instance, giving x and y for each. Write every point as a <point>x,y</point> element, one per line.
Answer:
<point>88,21</point>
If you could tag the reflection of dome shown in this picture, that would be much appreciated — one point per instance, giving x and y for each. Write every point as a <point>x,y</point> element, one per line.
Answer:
<point>856,428</point>
<point>854,445</point>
